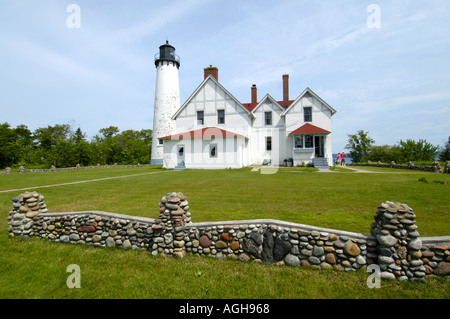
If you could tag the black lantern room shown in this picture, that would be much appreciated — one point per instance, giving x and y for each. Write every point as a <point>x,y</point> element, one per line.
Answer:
<point>167,53</point>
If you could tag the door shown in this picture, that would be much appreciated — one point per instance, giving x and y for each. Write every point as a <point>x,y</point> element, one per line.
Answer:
<point>319,143</point>
<point>180,155</point>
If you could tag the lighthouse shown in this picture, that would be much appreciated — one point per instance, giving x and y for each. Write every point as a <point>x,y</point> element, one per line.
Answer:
<point>167,99</point>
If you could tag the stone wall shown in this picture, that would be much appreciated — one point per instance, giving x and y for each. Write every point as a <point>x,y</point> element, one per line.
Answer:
<point>22,169</point>
<point>399,252</point>
<point>435,167</point>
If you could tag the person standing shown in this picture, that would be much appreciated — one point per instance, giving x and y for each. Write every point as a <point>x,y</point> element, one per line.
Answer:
<point>343,156</point>
<point>338,159</point>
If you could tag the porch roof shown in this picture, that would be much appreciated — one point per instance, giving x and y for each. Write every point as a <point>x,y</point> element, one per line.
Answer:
<point>309,129</point>
<point>206,132</point>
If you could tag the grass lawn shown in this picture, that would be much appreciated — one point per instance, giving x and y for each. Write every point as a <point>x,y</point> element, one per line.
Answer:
<point>339,200</point>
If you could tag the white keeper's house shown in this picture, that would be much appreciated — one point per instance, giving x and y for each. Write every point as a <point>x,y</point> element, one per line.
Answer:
<point>212,129</point>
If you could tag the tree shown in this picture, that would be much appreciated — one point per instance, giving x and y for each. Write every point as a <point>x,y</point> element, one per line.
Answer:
<point>359,145</point>
<point>81,150</point>
<point>6,145</point>
<point>386,154</point>
<point>444,155</point>
<point>109,132</point>
<point>51,144</point>
<point>418,151</point>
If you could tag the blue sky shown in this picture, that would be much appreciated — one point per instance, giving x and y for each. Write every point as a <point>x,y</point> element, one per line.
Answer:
<point>393,81</point>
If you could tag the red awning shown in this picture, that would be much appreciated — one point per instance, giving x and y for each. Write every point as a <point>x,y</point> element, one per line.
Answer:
<point>206,132</point>
<point>310,129</point>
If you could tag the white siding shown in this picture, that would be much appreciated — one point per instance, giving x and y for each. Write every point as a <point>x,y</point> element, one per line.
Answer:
<point>321,117</point>
<point>229,153</point>
<point>260,131</point>
<point>209,99</point>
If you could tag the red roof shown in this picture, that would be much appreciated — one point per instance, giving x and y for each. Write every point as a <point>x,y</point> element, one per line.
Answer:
<point>251,106</point>
<point>207,132</point>
<point>310,129</point>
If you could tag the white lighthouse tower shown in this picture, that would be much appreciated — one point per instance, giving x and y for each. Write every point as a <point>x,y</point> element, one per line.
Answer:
<point>167,99</point>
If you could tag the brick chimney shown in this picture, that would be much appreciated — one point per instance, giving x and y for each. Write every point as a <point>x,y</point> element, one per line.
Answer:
<point>285,89</point>
<point>213,71</point>
<point>254,94</point>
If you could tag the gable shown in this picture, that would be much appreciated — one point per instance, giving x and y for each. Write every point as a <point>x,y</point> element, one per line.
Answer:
<point>269,102</point>
<point>309,98</point>
<point>209,99</point>
<point>210,90</point>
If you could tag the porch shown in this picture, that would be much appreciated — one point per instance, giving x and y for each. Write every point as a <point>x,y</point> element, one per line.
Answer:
<point>310,145</point>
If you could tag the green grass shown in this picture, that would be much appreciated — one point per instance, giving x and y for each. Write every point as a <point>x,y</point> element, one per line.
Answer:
<point>36,268</point>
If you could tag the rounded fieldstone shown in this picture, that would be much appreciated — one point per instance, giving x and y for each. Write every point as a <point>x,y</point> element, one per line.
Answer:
<point>387,275</point>
<point>306,252</point>
<point>126,244</point>
<point>205,241</point>
<point>171,206</point>
<point>221,244</point>
<point>96,238</point>
<point>234,245</point>
<point>304,263</point>
<point>178,243</point>
<point>23,209</point>
<point>386,240</point>
<point>314,260</point>
<point>110,242</point>
<point>442,269</point>
<point>244,257</point>
<point>334,237</point>
<point>325,265</point>
<point>385,260</point>
<point>415,244</point>
<point>226,237</point>
<point>352,249</point>
<point>64,238</point>
<point>318,251</point>
<point>330,258</point>
<point>74,237</point>
<point>32,214</point>
<point>291,260</point>
<point>360,260</point>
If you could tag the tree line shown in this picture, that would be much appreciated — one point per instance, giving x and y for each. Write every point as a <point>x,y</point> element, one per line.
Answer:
<point>362,149</point>
<point>62,146</point>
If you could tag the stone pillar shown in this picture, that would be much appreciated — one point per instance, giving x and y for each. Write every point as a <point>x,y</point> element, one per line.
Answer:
<point>436,167</point>
<point>21,218</point>
<point>399,246</point>
<point>169,235</point>
<point>447,167</point>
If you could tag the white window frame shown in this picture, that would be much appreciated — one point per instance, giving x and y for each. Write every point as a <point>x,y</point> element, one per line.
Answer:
<point>218,116</point>
<point>310,114</point>
<point>266,118</point>
<point>268,139</point>
<point>202,118</point>
<point>300,137</point>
